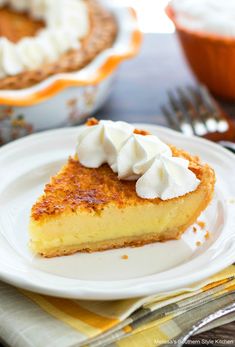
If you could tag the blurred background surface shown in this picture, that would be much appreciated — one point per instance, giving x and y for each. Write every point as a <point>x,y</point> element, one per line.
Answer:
<point>142,83</point>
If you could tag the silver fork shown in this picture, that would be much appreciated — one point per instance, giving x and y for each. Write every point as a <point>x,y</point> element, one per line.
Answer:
<point>193,111</point>
<point>182,339</point>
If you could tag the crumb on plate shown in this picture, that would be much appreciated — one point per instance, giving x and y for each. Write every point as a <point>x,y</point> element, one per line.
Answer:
<point>141,132</point>
<point>194,229</point>
<point>198,243</point>
<point>124,256</point>
<point>201,224</point>
<point>92,121</point>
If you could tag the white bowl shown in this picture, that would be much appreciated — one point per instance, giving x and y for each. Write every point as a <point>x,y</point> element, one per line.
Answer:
<point>68,98</point>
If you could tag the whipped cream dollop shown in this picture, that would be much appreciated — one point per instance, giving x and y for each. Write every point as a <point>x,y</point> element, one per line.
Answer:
<point>137,154</point>
<point>211,16</point>
<point>166,178</point>
<point>99,144</point>
<point>133,156</point>
<point>66,22</point>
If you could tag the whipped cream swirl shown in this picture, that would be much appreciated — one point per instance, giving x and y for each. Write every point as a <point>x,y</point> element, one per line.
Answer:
<point>99,144</point>
<point>210,16</point>
<point>144,158</point>
<point>166,178</point>
<point>137,154</point>
<point>67,21</point>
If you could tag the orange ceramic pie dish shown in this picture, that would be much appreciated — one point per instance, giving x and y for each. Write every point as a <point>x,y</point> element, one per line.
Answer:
<point>101,35</point>
<point>76,84</point>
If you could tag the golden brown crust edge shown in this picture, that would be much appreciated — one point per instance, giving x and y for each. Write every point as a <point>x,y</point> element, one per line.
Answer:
<point>102,34</point>
<point>105,247</point>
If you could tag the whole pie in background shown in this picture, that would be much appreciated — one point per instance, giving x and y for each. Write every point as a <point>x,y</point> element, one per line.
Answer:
<point>40,38</point>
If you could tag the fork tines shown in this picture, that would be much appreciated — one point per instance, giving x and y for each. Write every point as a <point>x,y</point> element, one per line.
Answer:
<point>192,110</point>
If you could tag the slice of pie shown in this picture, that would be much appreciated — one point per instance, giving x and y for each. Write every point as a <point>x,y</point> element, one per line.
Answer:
<point>91,209</point>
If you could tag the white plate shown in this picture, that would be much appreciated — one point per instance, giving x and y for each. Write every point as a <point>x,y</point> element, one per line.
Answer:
<point>26,166</point>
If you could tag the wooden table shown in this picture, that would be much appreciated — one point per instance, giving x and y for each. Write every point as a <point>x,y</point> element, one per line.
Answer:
<point>138,93</point>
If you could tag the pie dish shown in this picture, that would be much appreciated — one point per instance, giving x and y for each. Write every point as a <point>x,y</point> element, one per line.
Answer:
<point>77,83</point>
<point>100,30</point>
<point>90,209</point>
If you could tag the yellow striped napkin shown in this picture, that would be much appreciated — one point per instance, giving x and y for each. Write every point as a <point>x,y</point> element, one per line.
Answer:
<point>29,319</point>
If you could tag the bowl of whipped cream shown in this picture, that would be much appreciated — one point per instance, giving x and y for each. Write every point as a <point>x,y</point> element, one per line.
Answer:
<point>206,30</point>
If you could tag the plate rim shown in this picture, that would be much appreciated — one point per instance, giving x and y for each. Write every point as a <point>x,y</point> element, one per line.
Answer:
<point>113,293</point>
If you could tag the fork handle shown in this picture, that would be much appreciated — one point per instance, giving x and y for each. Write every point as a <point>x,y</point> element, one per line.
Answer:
<point>228,145</point>
<point>206,320</point>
